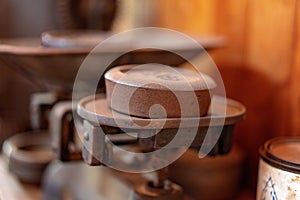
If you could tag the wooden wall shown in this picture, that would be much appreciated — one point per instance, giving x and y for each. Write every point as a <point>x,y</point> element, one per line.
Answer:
<point>295,89</point>
<point>260,65</point>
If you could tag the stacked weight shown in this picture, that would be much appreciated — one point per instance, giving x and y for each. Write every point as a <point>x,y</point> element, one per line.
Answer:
<point>180,98</point>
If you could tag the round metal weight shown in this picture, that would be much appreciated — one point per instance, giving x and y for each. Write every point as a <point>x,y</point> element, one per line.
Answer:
<point>28,154</point>
<point>134,89</point>
<point>148,192</point>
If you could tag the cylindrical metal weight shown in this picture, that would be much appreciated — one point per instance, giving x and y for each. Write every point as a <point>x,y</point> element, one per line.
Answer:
<point>153,91</point>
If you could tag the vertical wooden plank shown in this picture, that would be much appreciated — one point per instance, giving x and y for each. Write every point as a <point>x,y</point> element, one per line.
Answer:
<point>225,18</point>
<point>269,37</point>
<point>295,86</point>
<point>266,79</point>
<point>269,51</point>
<point>195,16</point>
<point>231,23</point>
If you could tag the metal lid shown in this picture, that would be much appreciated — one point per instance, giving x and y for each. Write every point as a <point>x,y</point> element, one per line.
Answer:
<point>283,153</point>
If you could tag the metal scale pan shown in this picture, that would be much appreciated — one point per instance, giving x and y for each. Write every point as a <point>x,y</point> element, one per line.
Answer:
<point>97,112</point>
<point>54,59</point>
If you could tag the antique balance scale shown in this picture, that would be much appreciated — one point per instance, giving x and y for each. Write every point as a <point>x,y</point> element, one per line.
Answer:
<point>49,61</point>
<point>56,63</point>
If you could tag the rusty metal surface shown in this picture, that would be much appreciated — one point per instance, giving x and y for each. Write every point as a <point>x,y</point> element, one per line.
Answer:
<point>103,115</point>
<point>97,110</point>
<point>96,145</point>
<point>134,89</point>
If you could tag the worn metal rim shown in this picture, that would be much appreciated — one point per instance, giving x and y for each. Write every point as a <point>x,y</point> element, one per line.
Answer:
<point>33,47</point>
<point>276,161</point>
<point>235,112</point>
